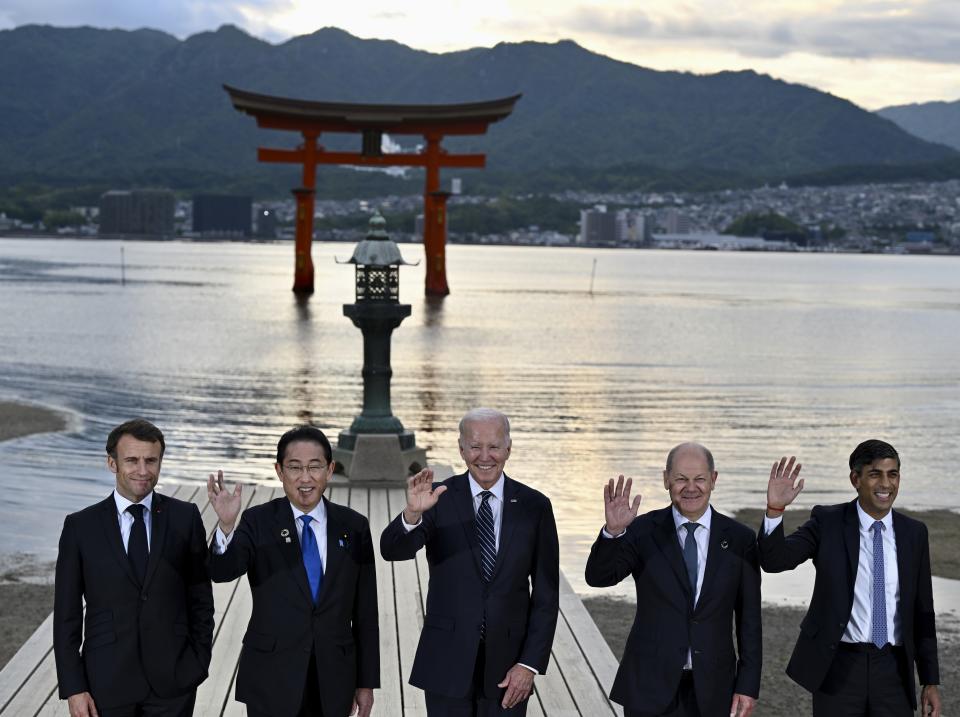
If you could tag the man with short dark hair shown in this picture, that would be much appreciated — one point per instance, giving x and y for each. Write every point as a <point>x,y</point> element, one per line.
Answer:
<point>138,561</point>
<point>697,580</point>
<point>312,644</point>
<point>493,601</point>
<point>871,616</point>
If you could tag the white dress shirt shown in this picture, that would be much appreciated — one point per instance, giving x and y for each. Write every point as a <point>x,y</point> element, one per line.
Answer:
<point>125,518</point>
<point>860,625</point>
<point>318,525</point>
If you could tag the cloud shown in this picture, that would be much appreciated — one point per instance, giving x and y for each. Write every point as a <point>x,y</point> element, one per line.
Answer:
<point>924,30</point>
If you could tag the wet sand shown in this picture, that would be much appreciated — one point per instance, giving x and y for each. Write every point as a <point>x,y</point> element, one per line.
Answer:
<point>17,420</point>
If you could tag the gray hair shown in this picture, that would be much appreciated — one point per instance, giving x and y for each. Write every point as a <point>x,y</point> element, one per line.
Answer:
<point>684,446</point>
<point>476,415</point>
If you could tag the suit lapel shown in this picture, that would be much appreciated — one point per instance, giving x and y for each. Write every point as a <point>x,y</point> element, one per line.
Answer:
<point>158,533</point>
<point>851,538</point>
<point>665,536</point>
<point>510,514</point>
<point>335,532</point>
<point>718,537</point>
<point>463,502</point>
<point>111,529</point>
<point>291,551</point>
<point>906,565</point>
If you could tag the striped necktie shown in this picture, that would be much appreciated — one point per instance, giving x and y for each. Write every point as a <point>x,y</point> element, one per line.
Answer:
<point>879,588</point>
<point>485,536</point>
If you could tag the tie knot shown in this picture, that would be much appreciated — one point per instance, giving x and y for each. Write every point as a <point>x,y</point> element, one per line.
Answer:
<point>485,495</point>
<point>877,526</point>
<point>691,527</point>
<point>136,510</point>
<point>306,519</point>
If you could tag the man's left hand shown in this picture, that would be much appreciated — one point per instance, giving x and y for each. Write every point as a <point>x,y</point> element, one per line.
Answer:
<point>362,702</point>
<point>519,684</point>
<point>930,701</point>
<point>742,706</point>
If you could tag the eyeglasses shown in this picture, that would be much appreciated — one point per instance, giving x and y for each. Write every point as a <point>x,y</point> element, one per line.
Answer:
<point>295,470</point>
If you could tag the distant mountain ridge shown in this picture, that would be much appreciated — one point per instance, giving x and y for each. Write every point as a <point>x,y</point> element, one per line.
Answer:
<point>84,105</point>
<point>932,121</point>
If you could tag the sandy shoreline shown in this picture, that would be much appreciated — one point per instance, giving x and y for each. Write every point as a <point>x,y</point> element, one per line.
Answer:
<point>18,420</point>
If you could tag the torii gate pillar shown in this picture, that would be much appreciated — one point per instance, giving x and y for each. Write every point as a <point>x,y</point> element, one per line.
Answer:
<point>303,261</point>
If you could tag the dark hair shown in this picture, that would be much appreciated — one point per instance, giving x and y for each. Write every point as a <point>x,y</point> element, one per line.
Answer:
<point>673,453</point>
<point>870,451</point>
<point>304,433</point>
<point>139,428</point>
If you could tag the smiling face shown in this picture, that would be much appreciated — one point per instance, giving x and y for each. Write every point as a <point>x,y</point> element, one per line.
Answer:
<point>877,484</point>
<point>485,448</point>
<point>690,482</point>
<point>136,466</point>
<point>304,473</point>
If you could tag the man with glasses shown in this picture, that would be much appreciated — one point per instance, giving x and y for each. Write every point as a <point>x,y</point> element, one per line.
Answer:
<point>312,645</point>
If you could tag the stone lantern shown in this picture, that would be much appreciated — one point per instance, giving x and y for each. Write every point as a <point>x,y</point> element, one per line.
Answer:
<point>376,446</point>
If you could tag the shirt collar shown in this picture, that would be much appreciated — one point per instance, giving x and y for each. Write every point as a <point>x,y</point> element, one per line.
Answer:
<point>319,512</point>
<point>867,521</point>
<point>496,488</point>
<point>703,522</point>
<point>123,503</point>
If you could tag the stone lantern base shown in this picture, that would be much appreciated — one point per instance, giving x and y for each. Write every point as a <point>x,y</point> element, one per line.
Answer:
<point>379,457</point>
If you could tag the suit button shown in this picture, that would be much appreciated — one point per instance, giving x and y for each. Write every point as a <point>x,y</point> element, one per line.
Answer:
<point>143,597</point>
<point>833,646</point>
<point>696,622</point>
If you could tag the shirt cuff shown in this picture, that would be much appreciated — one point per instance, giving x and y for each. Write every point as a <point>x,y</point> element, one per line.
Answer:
<point>770,524</point>
<point>221,541</point>
<point>606,534</point>
<point>407,526</point>
<point>534,670</point>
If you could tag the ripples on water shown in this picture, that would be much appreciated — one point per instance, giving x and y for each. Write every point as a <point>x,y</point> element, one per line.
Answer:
<point>755,355</point>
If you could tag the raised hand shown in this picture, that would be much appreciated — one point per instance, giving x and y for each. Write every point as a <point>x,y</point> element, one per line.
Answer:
<point>226,504</point>
<point>421,495</point>
<point>781,490</point>
<point>617,508</point>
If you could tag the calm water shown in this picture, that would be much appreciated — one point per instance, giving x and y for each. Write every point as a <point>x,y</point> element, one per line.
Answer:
<point>755,355</point>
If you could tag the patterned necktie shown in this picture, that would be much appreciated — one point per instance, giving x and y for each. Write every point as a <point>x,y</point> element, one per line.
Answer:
<point>690,557</point>
<point>879,588</point>
<point>311,558</point>
<point>485,536</point>
<point>137,551</point>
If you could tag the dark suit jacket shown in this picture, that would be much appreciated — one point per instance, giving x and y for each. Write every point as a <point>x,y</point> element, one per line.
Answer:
<point>520,602</point>
<point>832,538</point>
<point>285,626</point>
<point>168,620</point>
<point>667,624</point>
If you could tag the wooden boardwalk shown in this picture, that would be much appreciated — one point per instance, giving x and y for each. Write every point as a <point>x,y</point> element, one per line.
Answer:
<point>579,677</point>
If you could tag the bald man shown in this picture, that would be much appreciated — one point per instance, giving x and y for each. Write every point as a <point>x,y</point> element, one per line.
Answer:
<point>697,576</point>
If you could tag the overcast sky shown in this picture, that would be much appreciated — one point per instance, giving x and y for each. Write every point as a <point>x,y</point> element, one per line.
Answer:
<point>875,53</point>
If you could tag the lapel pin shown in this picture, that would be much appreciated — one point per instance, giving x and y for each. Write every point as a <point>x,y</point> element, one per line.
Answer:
<point>285,534</point>
<point>344,543</point>
<point>724,544</point>
<point>513,500</point>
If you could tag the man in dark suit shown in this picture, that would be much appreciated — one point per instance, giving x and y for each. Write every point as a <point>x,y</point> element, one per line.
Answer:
<point>871,615</point>
<point>138,560</point>
<point>697,576</point>
<point>494,577</point>
<point>312,647</point>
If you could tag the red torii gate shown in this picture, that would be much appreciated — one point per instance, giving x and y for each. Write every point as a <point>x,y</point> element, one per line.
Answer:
<point>433,122</point>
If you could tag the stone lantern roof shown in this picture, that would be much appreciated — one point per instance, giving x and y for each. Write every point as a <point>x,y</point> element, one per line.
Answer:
<point>377,249</point>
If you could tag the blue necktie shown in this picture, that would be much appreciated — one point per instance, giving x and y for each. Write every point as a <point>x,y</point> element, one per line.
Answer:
<point>879,588</point>
<point>485,536</point>
<point>311,557</point>
<point>690,557</point>
<point>137,551</point>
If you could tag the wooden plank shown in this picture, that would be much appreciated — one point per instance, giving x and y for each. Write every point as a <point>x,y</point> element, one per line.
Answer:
<point>587,693</point>
<point>36,690</point>
<point>533,708</point>
<point>409,606</point>
<point>389,698</point>
<point>233,603</point>
<point>597,654</point>
<point>23,664</point>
